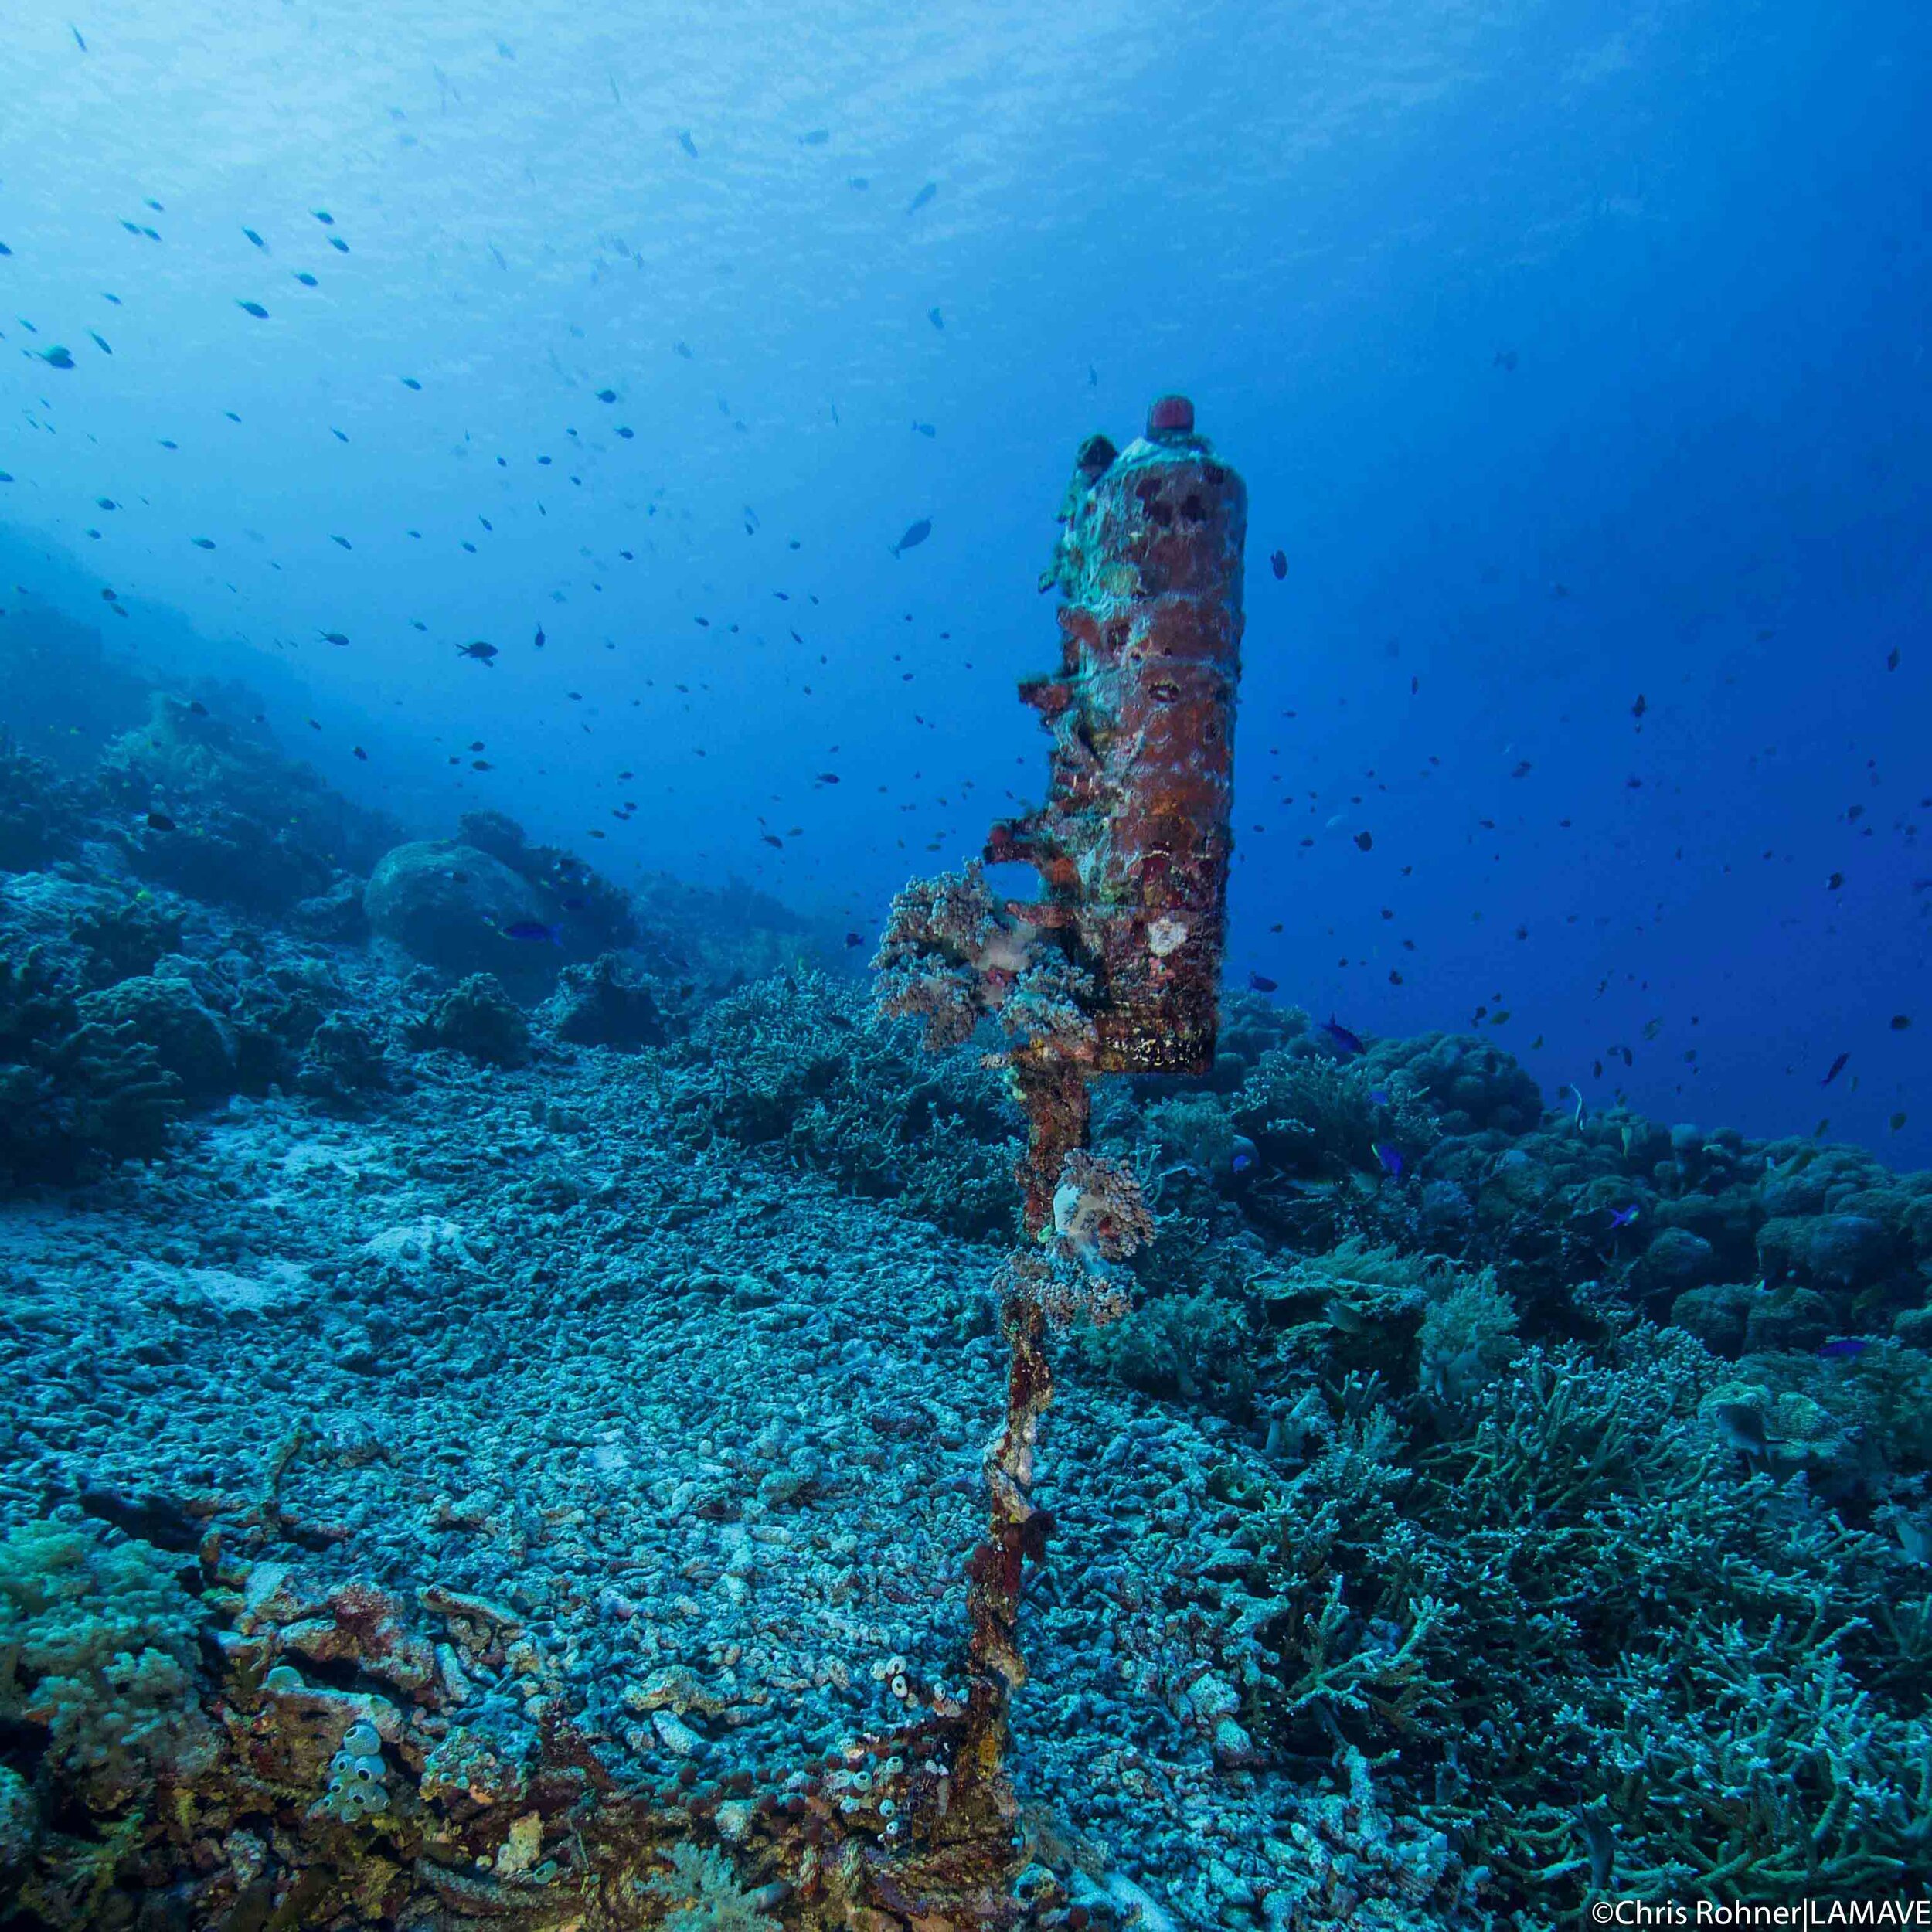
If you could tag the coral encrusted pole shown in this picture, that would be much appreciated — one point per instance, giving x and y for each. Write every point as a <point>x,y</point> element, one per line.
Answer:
<point>1116,967</point>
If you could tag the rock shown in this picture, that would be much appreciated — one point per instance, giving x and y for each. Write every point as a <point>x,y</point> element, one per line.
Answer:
<point>188,1040</point>
<point>477,1018</point>
<point>1786,1319</point>
<point>451,906</point>
<point>342,1064</point>
<point>1677,1258</point>
<point>1848,1250</point>
<point>1913,1327</point>
<point>335,917</point>
<point>598,1006</point>
<point>1716,1314</point>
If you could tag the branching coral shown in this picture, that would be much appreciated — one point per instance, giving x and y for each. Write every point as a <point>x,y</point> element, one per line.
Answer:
<point>951,956</point>
<point>1604,1615</point>
<point>705,1895</point>
<point>1312,1115</point>
<point>97,1650</point>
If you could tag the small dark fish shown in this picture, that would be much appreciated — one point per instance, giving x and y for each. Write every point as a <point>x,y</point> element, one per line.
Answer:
<point>1391,1159</point>
<point>919,200</point>
<point>410,382</point>
<point>926,428</point>
<point>1365,841</point>
<point>1260,983</point>
<point>606,396</point>
<point>816,137</point>
<point>255,238</point>
<point>683,349</point>
<point>1641,706</point>
<point>195,705</point>
<point>1278,564</point>
<point>160,821</point>
<point>916,534</point>
<point>532,933</point>
<point>75,32</point>
<point>306,280</point>
<point>1842,1348</point>
<point>56,357</point>
<point>687,144</point>
<point>1892,659</point>
<point>361,754</point>
<point>938,319</point>
<point>254,309</point>
<point>1622,1217</point>
<point>204,543</point>
<point>772,839</point>
<point>1901,1022</point>
<point>1347,1044</point>
<point>828,777</point>
<point>482,652</point>
<point>335,636</point>
<point>1838,1067</point>
<point>575,902</point>
<point>100,342</point>
<point>1505,359</point>
<point>539,637</point>
<point>854,939</point>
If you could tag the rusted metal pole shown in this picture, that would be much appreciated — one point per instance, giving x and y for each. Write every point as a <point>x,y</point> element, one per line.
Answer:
<point>1116,967</point>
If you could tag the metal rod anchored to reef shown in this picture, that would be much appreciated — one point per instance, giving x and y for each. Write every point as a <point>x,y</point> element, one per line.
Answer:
<point>1116,967</point>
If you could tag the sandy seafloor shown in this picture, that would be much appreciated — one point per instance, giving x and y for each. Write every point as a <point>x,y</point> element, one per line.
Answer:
<point>673,1410</point>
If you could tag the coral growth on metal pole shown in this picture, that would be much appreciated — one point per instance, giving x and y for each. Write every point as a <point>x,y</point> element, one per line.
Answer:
<point>1116,967</point>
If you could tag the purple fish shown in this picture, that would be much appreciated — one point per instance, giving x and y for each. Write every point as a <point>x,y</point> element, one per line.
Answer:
<point>1844,1347</point>
<point>1345,1043</point>
<point>1390,1158</point>
<point>1622,1217</point>
<point>532,933</point>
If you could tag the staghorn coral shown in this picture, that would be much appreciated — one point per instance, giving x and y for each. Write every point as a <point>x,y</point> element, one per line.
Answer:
<point>1577,1604</point>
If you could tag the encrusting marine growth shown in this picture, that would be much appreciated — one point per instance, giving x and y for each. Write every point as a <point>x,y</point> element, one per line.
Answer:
<point>1116,967</point>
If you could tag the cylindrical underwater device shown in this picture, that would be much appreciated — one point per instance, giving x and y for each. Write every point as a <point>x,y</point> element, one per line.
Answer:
<point>1133,842</point>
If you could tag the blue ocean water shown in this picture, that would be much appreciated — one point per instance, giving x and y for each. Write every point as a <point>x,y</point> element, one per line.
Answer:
<point>520,1373</point>
<point>1574,356</point>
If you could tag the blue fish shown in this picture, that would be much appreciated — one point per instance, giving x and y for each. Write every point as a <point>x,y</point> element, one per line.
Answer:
<point>1391,1159</point>
<point>533,933</point>
<point>1844,1347</point>
<point>1622,1217</point>
<point>1345,1043</point>
<point>1245,1154</point>
<point>919,200</point>
<point>915,534</point>
<point>1379,1095</point>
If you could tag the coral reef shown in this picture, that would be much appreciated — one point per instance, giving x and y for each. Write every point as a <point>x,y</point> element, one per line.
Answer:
<point>603,1004</point>
<point>477,1018</point>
